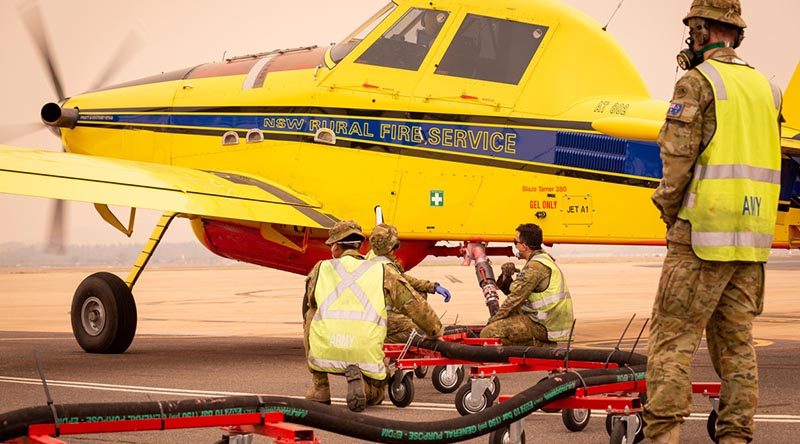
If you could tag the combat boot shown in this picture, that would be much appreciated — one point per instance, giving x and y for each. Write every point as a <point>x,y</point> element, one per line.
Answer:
<point>673,436</point>
<point>320,390</point>
<point>356,398</point>
<point>728,439</point>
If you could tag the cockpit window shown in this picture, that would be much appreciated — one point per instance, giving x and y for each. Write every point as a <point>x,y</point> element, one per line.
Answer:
<point>406,44</point>
<point>492,49</point>
<point>340,50</point>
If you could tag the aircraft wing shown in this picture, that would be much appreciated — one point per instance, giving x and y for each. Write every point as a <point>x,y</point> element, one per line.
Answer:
<point>155,186</point>
<point>631,128</point>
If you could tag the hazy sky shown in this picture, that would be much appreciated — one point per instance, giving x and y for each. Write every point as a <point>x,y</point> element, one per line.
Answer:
<point>181,33</point>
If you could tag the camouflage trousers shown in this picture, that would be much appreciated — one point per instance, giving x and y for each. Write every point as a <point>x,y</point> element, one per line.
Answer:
<point>518,329</point>
<point>320,390</point>
<point>398,328</point>
<point>721,298</point>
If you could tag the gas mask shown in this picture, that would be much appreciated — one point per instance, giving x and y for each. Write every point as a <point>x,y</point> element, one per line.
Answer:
<point>700,34</point>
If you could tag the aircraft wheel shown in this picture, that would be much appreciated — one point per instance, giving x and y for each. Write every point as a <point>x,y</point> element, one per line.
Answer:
<point>420,372</point>
<point>711,425</point>
<point>501,436</point>
<point>446,382</point>
<point>103,314</point>
<point>576,420</point>
<point>402,393</point>
<point>469,405</point>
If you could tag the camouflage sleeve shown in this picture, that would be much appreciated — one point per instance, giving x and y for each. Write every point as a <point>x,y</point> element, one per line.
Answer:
<point>421,285</point>
<point>680,140</point>
<point>531,276</point>
<point>311,283</point>
<point>405,300</point>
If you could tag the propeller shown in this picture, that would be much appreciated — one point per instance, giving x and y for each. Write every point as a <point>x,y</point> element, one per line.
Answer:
<point>32,18</point>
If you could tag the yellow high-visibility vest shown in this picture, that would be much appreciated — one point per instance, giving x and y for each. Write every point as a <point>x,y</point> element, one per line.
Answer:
<point>349,326</point>
<point>732,201</point>
<point>553,306</point>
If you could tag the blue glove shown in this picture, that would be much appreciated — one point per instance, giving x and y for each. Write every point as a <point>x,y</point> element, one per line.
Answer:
<point>442,291</point>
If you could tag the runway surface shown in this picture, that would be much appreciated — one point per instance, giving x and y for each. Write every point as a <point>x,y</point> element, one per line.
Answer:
<point>231,331</point>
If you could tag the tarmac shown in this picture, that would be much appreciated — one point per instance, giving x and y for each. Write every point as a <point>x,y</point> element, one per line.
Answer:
<point>236,330</point>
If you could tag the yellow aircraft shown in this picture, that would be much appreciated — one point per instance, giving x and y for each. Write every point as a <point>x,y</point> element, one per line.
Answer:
<point>433,110</point>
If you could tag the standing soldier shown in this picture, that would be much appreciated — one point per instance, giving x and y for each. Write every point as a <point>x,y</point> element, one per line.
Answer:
<point>345,320</point>
<point>720,148</point>
<point>538,310</point>
<point>384,241</point>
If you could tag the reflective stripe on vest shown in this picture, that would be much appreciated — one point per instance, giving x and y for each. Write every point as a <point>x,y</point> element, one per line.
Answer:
<point>732,201</point>
<point>349,326</point>
<point>553,306</point>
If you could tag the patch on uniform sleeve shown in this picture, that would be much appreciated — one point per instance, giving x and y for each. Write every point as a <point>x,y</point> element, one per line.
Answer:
<point>682,111</point>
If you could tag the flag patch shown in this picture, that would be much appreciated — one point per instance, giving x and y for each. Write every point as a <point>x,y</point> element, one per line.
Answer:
<point>675,109</point>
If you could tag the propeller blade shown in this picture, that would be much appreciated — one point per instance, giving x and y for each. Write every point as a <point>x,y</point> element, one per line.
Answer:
<point>32,17</point>
<point>132,44</point>
<point>11,132</point>
<point>55,244</point>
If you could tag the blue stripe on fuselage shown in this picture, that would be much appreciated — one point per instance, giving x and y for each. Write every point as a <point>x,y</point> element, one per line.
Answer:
<point>522,144</point>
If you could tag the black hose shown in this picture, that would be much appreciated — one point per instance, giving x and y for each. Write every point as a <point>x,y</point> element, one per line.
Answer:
<point>501,353</point>
<point>333,419</point>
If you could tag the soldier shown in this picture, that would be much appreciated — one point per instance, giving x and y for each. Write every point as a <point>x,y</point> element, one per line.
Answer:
<point>345,321</point>
<point>384,241</point>
<point>721,156</point>
<point>538,310</point>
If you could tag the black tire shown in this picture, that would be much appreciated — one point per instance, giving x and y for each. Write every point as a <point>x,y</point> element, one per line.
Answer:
<point>446,385</point>
<point>470,407</point>
<point>711,425</point>
<point>421,372</point>
<point>618,435</point>
<point>575,420</point>
<point>639,430</point>
<point>500,436</point>
<point>103,314</point>
<point>402,394</point>
<point>494,388</point>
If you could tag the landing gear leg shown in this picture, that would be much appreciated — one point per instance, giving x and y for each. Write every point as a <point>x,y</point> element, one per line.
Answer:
<point>103,311</point>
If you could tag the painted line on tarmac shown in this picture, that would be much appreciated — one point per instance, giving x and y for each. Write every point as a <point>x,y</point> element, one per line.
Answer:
<point>427,406</point>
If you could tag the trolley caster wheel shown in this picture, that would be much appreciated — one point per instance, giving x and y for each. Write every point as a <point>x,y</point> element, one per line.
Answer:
<point>494,388</point>
<point>420,372</point>
<point>576,420</point>
<point>103,314</point>
<point>401,393</point>
<point>501,436</point>
<point>447,382</point>
<point>711,425</point>
<point>466,404</point>
<point>611,423</point>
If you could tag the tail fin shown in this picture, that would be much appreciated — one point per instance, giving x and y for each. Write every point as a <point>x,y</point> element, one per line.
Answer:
<point>791,101</point>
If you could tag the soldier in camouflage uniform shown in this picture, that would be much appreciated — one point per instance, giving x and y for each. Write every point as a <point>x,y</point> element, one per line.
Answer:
<point>384,241</point>
<point>524,317</point>
<point>345,239</point>
<point>722,297</point>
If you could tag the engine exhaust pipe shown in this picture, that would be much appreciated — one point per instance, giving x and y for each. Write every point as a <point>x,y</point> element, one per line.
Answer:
<point>54,115</point>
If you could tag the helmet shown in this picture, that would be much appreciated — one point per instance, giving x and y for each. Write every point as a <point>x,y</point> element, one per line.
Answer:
<point>344,229</point>
<point>725,11</point>
<point>383,239</point>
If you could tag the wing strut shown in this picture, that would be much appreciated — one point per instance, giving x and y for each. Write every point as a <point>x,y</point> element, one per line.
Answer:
<point>149,248</point>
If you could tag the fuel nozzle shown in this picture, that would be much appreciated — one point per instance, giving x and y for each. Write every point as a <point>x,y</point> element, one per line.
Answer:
<point>476,251</point>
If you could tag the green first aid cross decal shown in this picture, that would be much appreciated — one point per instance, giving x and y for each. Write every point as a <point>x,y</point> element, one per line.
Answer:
<point>437,198</point>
